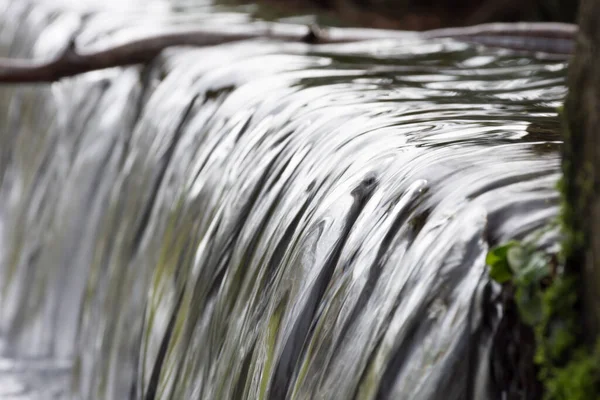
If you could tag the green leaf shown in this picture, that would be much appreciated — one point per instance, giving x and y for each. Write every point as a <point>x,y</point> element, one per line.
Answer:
<point>500,272</point>
<point>499,252</point>
<point>516,257</point>
<point>496,258</point>
<point>535,269</point>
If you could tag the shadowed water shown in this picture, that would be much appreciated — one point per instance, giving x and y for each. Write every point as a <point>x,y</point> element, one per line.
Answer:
<point>263,220</point>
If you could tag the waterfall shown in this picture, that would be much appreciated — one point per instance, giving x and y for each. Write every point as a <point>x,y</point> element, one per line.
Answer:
<point>262,220</point>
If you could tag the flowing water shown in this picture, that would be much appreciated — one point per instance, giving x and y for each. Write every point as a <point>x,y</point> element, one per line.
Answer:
<point>262,220</point>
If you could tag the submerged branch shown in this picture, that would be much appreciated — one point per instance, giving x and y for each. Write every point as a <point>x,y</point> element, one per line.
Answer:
<point>139,51</point>
<point>550,38</point>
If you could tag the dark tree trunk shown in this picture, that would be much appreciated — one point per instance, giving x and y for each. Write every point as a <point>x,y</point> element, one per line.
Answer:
<point>581,166</point>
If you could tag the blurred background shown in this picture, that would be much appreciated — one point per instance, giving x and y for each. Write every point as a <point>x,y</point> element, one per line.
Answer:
<point>430,14</point>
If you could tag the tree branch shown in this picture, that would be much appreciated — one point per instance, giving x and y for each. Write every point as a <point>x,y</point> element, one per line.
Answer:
<point>553,38</point>
<point>140,51</point>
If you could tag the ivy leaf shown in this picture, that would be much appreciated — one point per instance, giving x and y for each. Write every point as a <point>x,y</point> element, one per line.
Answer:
<point>500,272</point>
<point>497,259</point>
<point>516,256</point>
<point>535,269</point>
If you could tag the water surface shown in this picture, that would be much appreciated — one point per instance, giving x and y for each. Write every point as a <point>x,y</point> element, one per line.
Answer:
<point>262,220</point>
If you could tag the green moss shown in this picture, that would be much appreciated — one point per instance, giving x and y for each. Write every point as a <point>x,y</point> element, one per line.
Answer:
<point>577,380</point>
<point>576,194</point>
<point>547,302</point>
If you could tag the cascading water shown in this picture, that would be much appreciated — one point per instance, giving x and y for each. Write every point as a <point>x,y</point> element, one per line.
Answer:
<point>262,220</point>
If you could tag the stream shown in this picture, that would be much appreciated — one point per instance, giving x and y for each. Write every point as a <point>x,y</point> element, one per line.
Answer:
<point>262,220</point>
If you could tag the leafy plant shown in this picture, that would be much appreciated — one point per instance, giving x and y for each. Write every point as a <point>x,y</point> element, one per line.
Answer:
<point>547,302</point>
